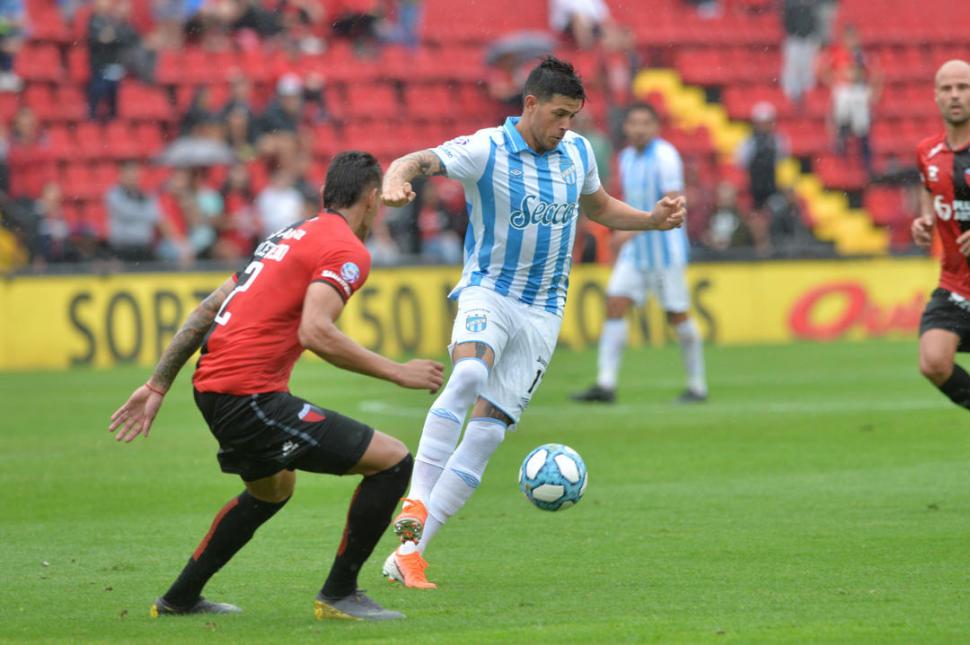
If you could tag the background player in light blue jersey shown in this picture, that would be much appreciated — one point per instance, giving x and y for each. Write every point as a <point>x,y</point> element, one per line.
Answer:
<point>525,183</point>
<point>653,261</point>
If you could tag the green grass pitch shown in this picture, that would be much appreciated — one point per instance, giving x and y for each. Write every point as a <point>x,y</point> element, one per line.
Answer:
<point>822,495</point>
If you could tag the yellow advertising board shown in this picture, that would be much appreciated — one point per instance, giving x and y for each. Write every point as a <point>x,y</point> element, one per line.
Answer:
<point>59,322</point>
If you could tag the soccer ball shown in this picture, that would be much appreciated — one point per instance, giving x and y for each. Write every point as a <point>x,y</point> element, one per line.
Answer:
<point>553,477</point>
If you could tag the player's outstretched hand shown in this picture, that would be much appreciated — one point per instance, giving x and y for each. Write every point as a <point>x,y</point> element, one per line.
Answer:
<point>922,230</point>
<point>421,374</point>
<point>397,196</point>
<point>669,213</point>
<point>136,415</point>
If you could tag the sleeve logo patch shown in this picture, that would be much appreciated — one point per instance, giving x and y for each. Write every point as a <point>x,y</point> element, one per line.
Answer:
<point>350,272</point>
<point>476,323</point>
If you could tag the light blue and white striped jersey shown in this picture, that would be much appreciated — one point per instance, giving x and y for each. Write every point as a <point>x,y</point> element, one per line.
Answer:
<point>522,209</point>
<point>647,176</point>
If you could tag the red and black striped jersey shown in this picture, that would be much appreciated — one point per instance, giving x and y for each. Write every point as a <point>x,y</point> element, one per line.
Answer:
<point>254,343</point>
<point>946,175</point>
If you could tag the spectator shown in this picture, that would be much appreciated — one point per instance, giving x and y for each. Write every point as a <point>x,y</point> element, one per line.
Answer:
<point>357,21</point>
<point>201,110</point>
<point>132,216</point>
<point>13,23</point>
<point>761,153</point>
<point>250,16</point>
<point>315,99</point>
<point>580,21</point>
<point>440,242</point>
<point>852,113</point>
<point>30,163</point>
<point>241,134</point>
<point>108,37</point>
<point>239,227</point>
<point>786,226</point>
<point>191,211</point>
<point>383,249</point>
<point>240,94</point>
<point>855,88</point>
<point>279,204</point>
<point>505,78</point>
<point>800,48</point>
<point>171,17</point>
<point>285,112</point>
<point>277,141</point>
<point>304,23</point>
<point>727,227</point>
<point>406,29</point>
<point>841,57</point>
<point>55,241</point>
<point>619,64</point>
<point>825,14</point>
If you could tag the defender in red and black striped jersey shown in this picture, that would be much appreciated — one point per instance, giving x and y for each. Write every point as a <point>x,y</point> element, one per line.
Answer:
<point>254,341</point>
<point>944,165</point>
<point>255,326</point>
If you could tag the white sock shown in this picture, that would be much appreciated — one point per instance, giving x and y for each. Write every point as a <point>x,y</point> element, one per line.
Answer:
<point>463,474</point>
<point>692,352</point>
<point>612,344</point>
<point>442,426</point>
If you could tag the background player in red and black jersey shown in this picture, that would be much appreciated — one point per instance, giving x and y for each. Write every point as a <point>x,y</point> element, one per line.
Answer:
<point>255,327</point>
<point>944,164</point>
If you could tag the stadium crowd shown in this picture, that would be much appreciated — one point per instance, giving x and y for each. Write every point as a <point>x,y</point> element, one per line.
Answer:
<point>240,161</point>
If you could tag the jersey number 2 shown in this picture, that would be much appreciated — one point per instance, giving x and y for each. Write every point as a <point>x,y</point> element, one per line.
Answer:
<point>247,278</point>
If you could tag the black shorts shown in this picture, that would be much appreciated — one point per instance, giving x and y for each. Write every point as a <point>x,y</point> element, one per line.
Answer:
<point>949,312</point>
<point>262,434</point>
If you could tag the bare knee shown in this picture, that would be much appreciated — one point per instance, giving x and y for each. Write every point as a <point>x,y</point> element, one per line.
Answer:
<point>936,368</point>
<point>617,306</point>
<point>275,488</point>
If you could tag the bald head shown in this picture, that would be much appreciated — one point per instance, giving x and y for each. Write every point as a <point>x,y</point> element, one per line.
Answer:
<point>952,88</point>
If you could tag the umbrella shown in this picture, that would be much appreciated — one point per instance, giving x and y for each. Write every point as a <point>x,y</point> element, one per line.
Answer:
<point>521,44</point>
<point>194,152</point>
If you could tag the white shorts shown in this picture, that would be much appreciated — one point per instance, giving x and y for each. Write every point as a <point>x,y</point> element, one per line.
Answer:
<point>523,339</point>
<point>668,285</point>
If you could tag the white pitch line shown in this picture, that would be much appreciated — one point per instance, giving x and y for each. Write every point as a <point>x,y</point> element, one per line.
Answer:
<point>752,406</point>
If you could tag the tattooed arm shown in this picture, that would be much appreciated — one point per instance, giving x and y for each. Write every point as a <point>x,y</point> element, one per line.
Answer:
<point>136,415</point>
<point>397,190</point>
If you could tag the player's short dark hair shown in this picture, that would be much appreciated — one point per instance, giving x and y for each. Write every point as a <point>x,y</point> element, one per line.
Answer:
<point>554,76</point>
<point>349,175</point>
<point>641,105</point>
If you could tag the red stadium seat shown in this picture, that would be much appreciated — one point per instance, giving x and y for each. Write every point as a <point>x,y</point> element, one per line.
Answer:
<point>39,63</point>
<point>144,103</point>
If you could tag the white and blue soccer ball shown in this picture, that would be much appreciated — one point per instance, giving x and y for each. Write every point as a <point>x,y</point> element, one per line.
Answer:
<point>553,477</point>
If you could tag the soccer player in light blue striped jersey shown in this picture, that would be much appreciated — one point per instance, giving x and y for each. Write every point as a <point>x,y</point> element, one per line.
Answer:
<point>525,183</point>
<point>652,261</point>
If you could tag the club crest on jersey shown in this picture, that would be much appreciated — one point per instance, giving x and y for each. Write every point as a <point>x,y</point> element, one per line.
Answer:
<point>311,414</point>
<point>933,172</point>
<point>532,210</point>
<point>569,174</point>
<point>476,323</point>
<point>350,272</point>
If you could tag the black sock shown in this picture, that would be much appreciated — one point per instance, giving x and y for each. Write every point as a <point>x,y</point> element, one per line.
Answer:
<point>368,517</point>
<point>957,387</point>
<point>232,528</point>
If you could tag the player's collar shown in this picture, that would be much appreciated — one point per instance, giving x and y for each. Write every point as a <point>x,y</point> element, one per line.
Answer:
<point>516,143</point>
<point>337,213</point>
